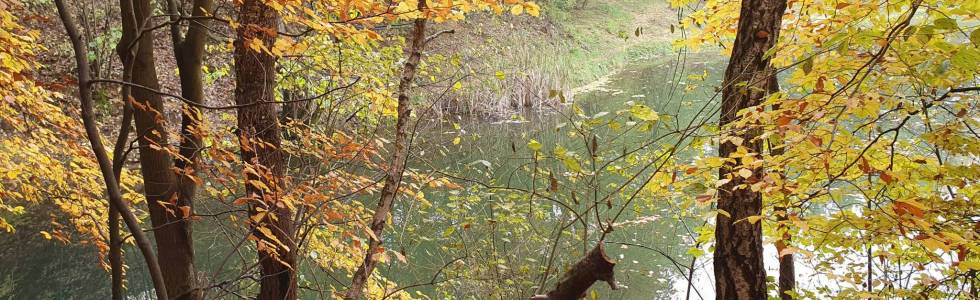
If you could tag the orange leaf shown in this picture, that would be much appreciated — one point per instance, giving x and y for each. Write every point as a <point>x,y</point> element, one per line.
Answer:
<point>783,120</point>
<point>887,178</point>
<point>185,211</point>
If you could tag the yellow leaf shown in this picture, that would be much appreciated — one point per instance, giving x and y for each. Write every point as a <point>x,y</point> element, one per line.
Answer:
<point>517,9</point>
<point>532,9</point>
<point>534,145</point>
<point>969,265</point>
<point>256,45</point>
<point>268,234</point>
<point>282,46</point>
<point>644,113</point>
<point>257,217</point>
<point>933,244</point>
<point>259,185</point>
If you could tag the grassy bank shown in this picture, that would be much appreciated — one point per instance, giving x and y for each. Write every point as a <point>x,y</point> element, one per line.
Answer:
<point>511,63</point>
<point>603,34</point>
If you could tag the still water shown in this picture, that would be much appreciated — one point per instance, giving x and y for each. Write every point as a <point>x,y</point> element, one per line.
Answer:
<point>464,245</point>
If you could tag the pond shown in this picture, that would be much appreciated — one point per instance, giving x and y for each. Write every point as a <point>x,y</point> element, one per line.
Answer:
<point>651,250</point>
<point>464,245</point>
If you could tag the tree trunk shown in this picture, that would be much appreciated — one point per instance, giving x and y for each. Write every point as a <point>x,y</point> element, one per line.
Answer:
<point>171,227</point>
<point>119,155</point>
<point>738,262</point>
<point>118,160</point>
<point>397,166</point>
<point>102,157</point>
<point>595,266</point>
<point>259,136</point>
<point>189,53</point>
<point>787,274</point>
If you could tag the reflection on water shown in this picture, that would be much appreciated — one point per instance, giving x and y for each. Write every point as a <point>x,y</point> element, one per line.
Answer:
<point>651,254</point>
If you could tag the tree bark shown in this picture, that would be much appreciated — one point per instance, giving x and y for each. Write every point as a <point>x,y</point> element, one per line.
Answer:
<point>102,157</point>
<point>118,159</point>
<point>172,227</point>
<point>738,261</point>
<point>595,266</point>
<point>787,276</point>
<point>189,53</point>
<point>397,166</point>
<point>259,136</point>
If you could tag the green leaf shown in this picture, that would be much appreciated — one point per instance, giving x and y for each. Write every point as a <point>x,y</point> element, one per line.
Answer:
<point>946,23</point>
<point>975,36</point>
<point>500,75</point>
<point>966,58</point>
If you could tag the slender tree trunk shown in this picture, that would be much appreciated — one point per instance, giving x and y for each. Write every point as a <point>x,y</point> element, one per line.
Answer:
<point>738,261</point>
<point>397,165</point>
<point>115,255</point>
<point>787,272</point>
<point>102,157</point>
<point>172,226</point>
<point>189,53</point>
<point>787,276</point>
<point>118,159</point>
<point>259,136</point>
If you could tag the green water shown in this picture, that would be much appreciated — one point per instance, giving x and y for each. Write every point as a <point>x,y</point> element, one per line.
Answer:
<point>470,241</point>
<point>496,154</point>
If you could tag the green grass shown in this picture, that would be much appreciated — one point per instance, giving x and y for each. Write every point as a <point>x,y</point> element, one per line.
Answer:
<point>566,47</point>
<point>602,35</point>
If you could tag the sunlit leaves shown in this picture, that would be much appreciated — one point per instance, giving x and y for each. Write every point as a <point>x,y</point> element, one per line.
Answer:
<point>644,113</point>
<point>534,145</point>
<point>46,165</point>
<point>869,135</point>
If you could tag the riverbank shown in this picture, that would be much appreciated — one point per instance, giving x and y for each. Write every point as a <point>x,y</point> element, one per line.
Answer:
<point>511,64</point>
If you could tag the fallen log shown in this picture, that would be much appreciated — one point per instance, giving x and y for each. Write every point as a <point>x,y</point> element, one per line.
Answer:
<point>595,266</point>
